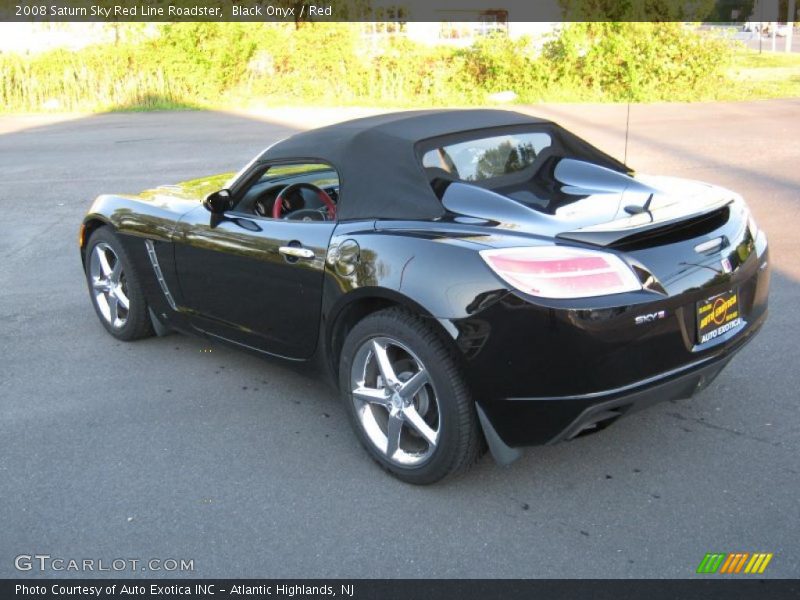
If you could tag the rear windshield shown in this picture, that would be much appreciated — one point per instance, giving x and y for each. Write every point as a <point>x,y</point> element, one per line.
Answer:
<point>517,162</point>
<point>485,158</point>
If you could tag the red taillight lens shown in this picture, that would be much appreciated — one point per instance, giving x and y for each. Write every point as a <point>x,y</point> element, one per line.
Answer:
<point>561,272</point>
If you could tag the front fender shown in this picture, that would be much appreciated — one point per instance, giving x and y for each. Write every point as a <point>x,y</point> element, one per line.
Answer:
<point>152,218</point>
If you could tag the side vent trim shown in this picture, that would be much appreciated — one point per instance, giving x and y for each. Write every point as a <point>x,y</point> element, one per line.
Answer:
<point>151,253</point>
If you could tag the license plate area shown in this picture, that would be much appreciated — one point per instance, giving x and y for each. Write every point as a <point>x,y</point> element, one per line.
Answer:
<point>717,316</point>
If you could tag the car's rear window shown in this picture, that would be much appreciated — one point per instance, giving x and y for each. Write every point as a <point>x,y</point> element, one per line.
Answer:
<point>517,162</point>
<point>488,157</point>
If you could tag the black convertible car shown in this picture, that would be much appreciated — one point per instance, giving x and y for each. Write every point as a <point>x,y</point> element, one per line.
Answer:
<point>467,278</point>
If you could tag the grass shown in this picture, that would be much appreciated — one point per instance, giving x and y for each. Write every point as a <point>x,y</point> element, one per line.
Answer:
<point>767,75</point>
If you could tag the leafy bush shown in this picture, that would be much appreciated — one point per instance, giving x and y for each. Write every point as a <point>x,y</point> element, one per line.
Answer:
<point>636,61</point>
<point>213,64</point>
<point>498,63</point>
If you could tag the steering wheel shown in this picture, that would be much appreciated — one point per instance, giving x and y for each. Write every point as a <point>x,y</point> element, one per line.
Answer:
<point>277,207</point>
<point>305,214</point>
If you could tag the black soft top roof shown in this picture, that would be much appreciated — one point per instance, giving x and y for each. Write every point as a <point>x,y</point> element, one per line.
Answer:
<point>380,173</point>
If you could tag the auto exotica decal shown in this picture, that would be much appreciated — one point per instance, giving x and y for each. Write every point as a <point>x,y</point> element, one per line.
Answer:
<point>718,315</point>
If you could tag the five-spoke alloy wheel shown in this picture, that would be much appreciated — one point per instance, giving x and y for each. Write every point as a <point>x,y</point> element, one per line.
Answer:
<point>114,287</point>
<point>407,399</point>
<point>109,285</point>
<point>395,401</point>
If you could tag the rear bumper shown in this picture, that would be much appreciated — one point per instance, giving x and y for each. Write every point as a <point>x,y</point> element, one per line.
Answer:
<point>600,415</point>
<point>517,422</point>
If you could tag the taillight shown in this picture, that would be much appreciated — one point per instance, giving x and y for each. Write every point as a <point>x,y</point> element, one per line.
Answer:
<point>562,272</point>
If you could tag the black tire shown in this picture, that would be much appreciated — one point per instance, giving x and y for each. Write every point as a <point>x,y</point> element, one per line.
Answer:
<point>459,440</point>
<point>136,324</point>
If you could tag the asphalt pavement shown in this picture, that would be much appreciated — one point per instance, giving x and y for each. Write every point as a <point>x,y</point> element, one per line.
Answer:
<point>162,449</point>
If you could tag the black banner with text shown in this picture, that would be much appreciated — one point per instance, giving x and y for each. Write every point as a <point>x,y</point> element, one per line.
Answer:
<point>299,11</point>
<point>406,589</point>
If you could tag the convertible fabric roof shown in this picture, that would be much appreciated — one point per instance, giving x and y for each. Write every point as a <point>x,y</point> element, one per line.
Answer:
<point>380,175</point>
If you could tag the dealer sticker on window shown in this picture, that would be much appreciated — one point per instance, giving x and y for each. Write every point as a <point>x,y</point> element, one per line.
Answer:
<point>718,315</point>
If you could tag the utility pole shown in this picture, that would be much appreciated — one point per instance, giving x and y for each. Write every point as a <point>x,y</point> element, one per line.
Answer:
<point>790,24</point>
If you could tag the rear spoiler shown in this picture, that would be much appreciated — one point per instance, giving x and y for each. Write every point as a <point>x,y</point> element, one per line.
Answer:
<point>644,224</point>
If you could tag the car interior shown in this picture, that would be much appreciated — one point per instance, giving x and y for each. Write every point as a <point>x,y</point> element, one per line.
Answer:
<point>303,192</point>
<point>520,167</point>
<point>488,162</point>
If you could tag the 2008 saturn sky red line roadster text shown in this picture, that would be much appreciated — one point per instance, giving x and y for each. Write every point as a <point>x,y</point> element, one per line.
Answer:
<point>468,278</point>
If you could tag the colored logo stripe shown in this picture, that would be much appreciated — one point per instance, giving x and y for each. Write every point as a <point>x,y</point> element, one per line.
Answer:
<point>758,563</point>
<point>710,563</point>
<point>734,562</point>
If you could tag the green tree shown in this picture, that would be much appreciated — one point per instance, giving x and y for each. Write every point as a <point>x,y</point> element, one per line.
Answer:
<point>637,10</point>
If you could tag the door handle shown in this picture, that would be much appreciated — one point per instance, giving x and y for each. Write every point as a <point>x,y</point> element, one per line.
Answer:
<point>296,252</point>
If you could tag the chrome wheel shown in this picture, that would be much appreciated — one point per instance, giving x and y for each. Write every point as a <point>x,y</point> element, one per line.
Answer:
<point>395,401</point>
<point>109,285</point>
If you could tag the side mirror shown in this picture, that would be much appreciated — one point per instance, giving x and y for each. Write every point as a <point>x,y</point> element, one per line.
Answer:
<point>218,202</point>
